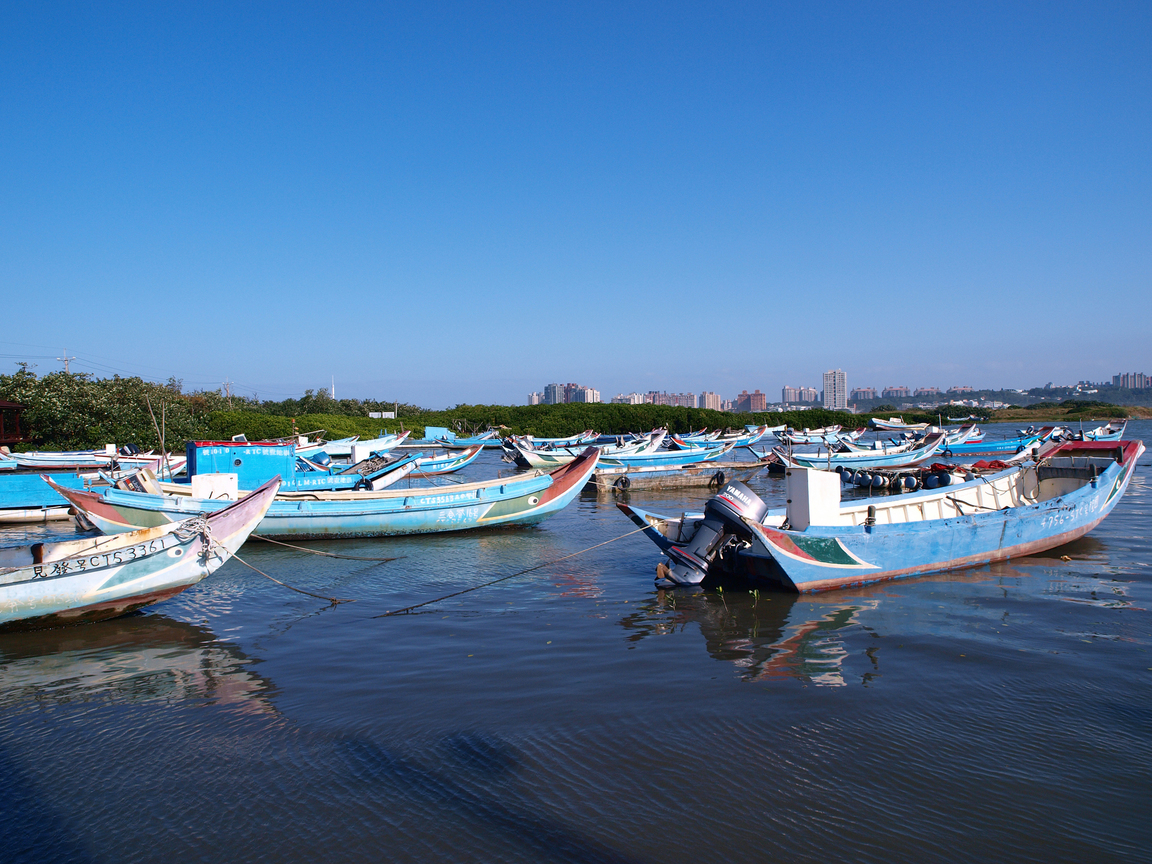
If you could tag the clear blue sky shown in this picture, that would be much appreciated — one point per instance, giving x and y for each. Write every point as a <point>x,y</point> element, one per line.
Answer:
<point>444,203</point>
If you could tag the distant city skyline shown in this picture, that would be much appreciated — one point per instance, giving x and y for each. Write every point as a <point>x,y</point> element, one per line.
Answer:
<point>835,394</point>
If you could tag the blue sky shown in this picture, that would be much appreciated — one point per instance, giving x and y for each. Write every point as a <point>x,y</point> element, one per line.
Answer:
<point>444,203</point>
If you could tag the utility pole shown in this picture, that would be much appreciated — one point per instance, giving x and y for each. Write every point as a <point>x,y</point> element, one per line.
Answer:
<point>227,385</point>
<point>65,358</point>
<point>333,388</point>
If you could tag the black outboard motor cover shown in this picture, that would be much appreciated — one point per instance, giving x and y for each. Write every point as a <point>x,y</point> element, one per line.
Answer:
<point>723,517</point>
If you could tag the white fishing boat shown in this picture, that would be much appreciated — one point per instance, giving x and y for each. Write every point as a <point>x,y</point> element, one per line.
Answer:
<point>92,578</point>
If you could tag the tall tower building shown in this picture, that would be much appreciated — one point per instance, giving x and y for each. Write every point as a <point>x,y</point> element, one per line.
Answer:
<point>835,390</point>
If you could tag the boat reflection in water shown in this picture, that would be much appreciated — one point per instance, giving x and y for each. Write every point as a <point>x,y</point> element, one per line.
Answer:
<point>766,635</point>
<point>138,658</point>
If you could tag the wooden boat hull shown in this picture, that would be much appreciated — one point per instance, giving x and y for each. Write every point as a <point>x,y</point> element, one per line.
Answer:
<point>522,500</point>
<point>93,578</point>
<point>623,480</point>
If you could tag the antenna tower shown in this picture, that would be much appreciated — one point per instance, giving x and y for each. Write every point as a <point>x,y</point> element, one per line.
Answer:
<point>65,358</point>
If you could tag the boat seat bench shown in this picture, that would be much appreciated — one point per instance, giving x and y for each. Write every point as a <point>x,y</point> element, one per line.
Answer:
<point>1052,472</point>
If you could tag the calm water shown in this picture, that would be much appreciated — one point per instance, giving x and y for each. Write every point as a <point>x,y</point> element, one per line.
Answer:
<point>576,714</point>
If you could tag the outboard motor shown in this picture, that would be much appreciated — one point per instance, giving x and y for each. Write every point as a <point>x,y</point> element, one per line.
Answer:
<point>321,458</point>
<point>723,516</point>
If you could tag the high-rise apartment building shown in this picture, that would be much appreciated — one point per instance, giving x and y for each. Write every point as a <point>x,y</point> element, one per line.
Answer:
<point>681,400</point>
<point>562,394</point>
<point>835,390</point>
<point>798,394</point>
<point>746,402</point>
<point>711,401</point>
<point>585,394</point>
<point>1132,380</point>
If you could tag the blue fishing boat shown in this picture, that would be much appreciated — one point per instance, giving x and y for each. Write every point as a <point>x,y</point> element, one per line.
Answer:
<point>523,499</point>
<point>666,458</point>
<point>996,447</point>
<point>254,462</point>
<point>522,453</point>
<point>578,440</point>
<point>898,456</point>
<point>691,442</point>
<point>449,463</point>
<point>340,447</point>
<point>490,439</point>
<point>740,439</point>
<point>1113,431</point>
<point>896,424</point>
<point>625,438</point>
<point>752,436</point>
<point>818,543</point>
<point>823,435</point>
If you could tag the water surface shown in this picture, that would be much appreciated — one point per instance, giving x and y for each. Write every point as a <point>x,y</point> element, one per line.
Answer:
<point>576,713</point>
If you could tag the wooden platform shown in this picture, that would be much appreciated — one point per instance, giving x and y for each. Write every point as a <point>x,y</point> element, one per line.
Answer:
<point>617,480</point>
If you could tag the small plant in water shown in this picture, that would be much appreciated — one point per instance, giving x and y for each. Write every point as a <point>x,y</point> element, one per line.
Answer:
<point>720,591</point>
<point>755,592</point>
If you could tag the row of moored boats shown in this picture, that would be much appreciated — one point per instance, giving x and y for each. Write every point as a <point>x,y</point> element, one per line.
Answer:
<point>166,521</point>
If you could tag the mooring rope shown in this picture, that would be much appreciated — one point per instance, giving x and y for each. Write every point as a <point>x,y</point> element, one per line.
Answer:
<point>957,504</point>
<point>333,600</point>
<point>326,554</point>
<point>408,609</point>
